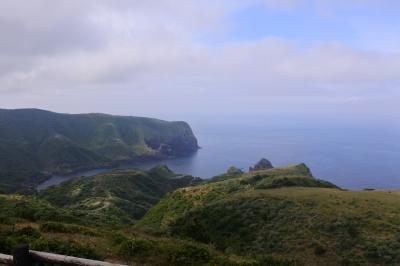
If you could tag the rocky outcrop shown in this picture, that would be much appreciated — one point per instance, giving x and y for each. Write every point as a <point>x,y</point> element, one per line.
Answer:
<point>234,171</point>
<point>262,164</point>
<point>182,142</point>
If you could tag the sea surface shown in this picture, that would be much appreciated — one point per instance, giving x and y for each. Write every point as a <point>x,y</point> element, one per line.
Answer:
<point>351,155</point>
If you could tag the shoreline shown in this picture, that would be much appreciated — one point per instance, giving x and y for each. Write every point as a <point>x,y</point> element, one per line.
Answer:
<point>107,166</point>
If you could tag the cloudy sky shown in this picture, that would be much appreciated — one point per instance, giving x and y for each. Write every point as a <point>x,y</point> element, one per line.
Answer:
<point>167,58</point>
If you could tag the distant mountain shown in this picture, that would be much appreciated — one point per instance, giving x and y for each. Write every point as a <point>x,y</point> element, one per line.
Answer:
<point>117,197</point>
<point>35,143</point>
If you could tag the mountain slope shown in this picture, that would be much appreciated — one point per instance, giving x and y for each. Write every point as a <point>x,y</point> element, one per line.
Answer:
<point>118,197</point>
<point>178,203</point>
<point>284,212</point>
<point>50,229</point>
<point>34,142</point>
<point>278,216</point>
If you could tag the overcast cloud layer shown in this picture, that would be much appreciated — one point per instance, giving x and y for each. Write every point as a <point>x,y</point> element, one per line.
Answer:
<point>172,57</point>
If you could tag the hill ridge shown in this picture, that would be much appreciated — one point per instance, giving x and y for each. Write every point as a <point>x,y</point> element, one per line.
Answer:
<point>35,142</point>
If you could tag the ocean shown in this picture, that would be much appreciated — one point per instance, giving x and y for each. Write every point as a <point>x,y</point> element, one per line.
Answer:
<point>351,155</point>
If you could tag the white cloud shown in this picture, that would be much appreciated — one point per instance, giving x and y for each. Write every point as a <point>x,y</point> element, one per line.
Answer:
<point>147,51</point>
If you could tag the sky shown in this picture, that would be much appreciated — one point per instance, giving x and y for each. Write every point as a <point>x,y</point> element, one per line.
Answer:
<point>174,59</point>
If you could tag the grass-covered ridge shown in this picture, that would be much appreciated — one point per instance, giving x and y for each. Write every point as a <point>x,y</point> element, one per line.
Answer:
<point>117,197</point>
<point>45,228</point>
<point>284,212</point>
<point>226,186</point>
<point>278,216</point>
<point>64,219</point>
<point>34,143</point>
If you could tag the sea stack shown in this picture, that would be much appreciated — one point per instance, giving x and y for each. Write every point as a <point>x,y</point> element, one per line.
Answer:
<point>234,171</point>
<point>262,164</point>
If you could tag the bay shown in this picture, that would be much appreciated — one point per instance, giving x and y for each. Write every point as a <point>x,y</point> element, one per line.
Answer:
<point>353,156</point>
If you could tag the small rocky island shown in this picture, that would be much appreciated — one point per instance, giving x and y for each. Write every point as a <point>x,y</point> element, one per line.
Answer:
<point>262,164</point>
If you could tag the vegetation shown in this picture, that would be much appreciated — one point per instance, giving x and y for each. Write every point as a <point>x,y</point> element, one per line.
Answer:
<point>123,245</point>
<point>284,212</point>
<point>278,216</point>
<point>116,198</point>
<point>35,143</point>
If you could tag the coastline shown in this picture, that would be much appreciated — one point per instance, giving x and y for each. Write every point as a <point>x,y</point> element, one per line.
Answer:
<point>105,166</point>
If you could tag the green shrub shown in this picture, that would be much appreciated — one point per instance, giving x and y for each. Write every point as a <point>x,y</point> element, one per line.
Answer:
<point>135,248</point>
<point>352,230</point>
<point>270,260</point>
<point>116,237</point>
<point>25,212</point>
<point>28,231</point>
<point>6,245</point>
<point>384,252</point>
<point>6,220</point>
<point>183,253</point>
<point>319,250</point>
<point>187,254</point>
<point>54,227</point>
<point>70,248</point>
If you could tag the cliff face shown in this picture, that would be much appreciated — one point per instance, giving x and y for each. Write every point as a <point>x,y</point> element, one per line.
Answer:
<point>37,141</point>
<point>181,142</point>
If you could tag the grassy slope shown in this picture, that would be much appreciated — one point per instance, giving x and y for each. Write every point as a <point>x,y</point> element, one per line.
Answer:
<point>288,213</point>
<point>281,216</point>
<point>35,141</point>
<point>118,197</point>
<point>22,220</point>
<point>59,220</point>
<point>179,202</point>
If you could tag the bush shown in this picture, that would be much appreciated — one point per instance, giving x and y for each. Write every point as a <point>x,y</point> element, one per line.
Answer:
<point>276,261</point>
<point>6,245</point>
<point>54,227</point>
<point>135,248</point>
<point>352,230</point>
<point>164,252</point>
<point>6,220</point>
<point>22,210</point>
<point>28,231</point>
<point>70,248</point>
<point>189,255</point>
<point>319,250</point>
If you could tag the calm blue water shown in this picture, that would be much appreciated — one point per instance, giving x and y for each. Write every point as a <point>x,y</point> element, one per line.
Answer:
<point>351,156</point>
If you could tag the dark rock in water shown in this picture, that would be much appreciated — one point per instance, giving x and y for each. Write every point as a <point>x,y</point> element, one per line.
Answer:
<point>234,171</point>
<point>263,164</point>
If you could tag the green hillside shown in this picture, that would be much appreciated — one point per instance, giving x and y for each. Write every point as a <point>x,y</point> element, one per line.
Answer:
<point>93,218</point>
<point>284,212</point>
<point>273,217</point>
<point>25,219</point>
<point>35,143</point>
<point>117,198</point>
